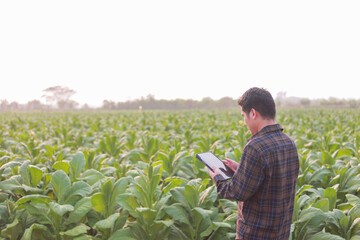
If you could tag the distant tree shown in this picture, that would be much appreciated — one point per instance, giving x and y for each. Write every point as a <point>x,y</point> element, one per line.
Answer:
<point>353,103</point>
<point>150,97</point>
<point>108,105</point>
<point>207,103</point>
<point>305,102</point>
<point>280,98</point>
<point>34,105</point>
<point>86,107</point>
<point>4,104</point>
<point>14,106</point>
<point>67,105</point>
<point>61,96</point>
<point>226,102</point>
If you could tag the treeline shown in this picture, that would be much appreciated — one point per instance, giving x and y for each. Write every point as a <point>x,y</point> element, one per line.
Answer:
<point>58,98</point>
<point>150,103</point>
<point>294,102</point>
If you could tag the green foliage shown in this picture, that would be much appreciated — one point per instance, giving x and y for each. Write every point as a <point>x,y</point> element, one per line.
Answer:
<point>134,175</point>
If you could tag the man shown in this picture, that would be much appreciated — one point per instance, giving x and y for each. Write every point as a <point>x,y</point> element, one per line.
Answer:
<point>265,179</point>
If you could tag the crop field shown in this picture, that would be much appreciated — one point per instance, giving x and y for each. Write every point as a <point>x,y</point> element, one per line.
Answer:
<point>134,175</point>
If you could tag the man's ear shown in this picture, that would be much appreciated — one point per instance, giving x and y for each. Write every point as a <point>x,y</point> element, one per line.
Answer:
<point>253,113</point>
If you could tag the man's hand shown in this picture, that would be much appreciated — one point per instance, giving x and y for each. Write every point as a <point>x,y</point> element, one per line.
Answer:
<point>211,173</point>
<point>231,164</point>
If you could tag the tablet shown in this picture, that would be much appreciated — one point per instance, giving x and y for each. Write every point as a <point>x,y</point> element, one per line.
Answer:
<point>210,159</point>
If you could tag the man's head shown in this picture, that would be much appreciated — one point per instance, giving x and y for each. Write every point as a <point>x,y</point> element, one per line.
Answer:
<point>258,108</point>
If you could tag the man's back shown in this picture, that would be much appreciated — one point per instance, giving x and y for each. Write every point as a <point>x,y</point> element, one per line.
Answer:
<point>265,179</point>
<point>264,185</point>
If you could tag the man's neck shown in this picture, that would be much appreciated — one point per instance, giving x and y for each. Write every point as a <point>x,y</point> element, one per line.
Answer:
<point>265,122</point>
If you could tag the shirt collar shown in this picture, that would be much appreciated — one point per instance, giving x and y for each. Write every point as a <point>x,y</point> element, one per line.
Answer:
<point>267,129</point>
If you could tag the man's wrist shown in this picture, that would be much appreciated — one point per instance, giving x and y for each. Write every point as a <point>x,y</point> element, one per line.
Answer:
<point>218,177</point>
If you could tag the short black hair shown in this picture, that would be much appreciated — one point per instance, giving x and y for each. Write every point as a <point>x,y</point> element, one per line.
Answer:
<point>259,99</point>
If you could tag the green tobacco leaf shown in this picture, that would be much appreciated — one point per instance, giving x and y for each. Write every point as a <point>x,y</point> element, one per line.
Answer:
<point>327,159</point>
<point>12,184</point>
<point>98,203</point>
<point>177,212</point>
<point>31,189</point>
<point>344,223</point>
<point>302,189</point>
<point>76,231</point>
<point>47,177</point>
<point>138,189</point>
<point>61,185</point>
<point>92,176</point>
<point>61,209</point>
<point>128,202</point>
<point>202,221</point>
<point>325,236</point>
<point>222,224</point>
<point>33,198</point>
<point>338,214</point>
<point>319,174</point>
<point>35,175</point>
<point>108,222</point>
<point>178,194</point>
<point>81,208</point>
<point>167,223</point>
<point>77,164</point>
<point>24,172</point>
<point>322,204</point>
<point>345,151</point>
<point>208,197</point>
<point>62,165</point>
<point>355,226</point>
<point>106,200</point>
<point>28,234</point>
<point>4,214</point>
<point>154,182</point>
<point>162,202</point>
<point>330,194</point>
<point>172,182</point>
<point>313,214</point>
<point>356,237</point>
<point>37,210</point>
<point>79,188</point>
<point>12,230</point>
<point>354,212</point>
<point>353,200</point>
<point>203,212</point>
<point>148,214</point>
<point>120,186</point>
<point>228,206</point>
<point>191,196</point>
<point>10,165</point>
<point>87,237</point>
<point>107,188</point>
<point>177,234</point>
<point>123,234</point>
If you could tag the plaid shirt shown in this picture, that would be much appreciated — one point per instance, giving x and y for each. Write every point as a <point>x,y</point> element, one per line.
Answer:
<point>264,185</point>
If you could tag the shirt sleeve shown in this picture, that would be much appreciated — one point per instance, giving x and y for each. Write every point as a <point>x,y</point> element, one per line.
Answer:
<point>247,178</point>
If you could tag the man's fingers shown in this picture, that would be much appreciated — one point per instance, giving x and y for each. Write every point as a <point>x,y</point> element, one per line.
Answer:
<point>213,168</point>
<point>231,164</point>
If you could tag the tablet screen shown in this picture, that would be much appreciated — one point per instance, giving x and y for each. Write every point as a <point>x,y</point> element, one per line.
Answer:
<point>209,159</point>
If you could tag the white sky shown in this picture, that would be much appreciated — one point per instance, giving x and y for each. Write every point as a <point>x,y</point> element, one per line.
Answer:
<point>122,50</point>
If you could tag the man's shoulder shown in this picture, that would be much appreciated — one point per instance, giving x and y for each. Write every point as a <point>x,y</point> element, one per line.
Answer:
<point>269,140</point>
